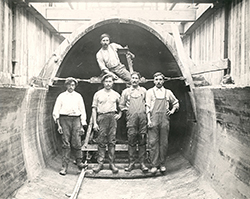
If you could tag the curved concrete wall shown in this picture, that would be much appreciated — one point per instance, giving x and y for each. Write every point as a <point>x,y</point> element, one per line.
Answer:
<point>27,136</point>
<point>219,143</point>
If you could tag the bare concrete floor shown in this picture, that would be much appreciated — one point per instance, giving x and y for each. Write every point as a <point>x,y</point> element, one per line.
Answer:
<point>180,181</point>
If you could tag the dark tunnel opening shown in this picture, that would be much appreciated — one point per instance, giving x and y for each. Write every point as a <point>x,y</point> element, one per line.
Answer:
<point>152,55</point>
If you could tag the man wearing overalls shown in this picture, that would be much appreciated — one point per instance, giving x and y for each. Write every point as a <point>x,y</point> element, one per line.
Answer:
<point>133,104</point>
<point>160,104</point>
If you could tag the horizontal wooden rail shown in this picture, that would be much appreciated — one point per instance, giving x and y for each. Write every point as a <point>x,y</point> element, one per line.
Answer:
<point>223,64</point>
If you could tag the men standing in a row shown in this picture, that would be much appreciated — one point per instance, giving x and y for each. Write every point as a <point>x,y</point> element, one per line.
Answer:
<point>108,59</point>
<point>105,115</point>
<point>70,116</point>
<point>132,103</point>
<point>160,104</point>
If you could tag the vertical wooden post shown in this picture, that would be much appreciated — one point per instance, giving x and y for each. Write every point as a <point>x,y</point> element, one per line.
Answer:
<point>185,65</point>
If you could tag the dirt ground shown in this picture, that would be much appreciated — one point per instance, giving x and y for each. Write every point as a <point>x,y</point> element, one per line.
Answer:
<point>180,181</point>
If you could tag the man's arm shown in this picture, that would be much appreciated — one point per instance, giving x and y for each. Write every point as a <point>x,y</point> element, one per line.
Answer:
<point>174,102</point>
<point>123,101</point>
<point>94,118</point>
<point>56,113</point>
<point>119,114</point>
<point>103,67</point>
<point>83,111</point>
<point>148,106</point>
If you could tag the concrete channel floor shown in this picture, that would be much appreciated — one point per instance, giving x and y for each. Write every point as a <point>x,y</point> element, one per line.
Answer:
<point>180,181</point>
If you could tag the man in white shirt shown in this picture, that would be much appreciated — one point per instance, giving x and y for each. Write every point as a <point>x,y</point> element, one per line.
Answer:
<point>133,104</point>
<point>70,115</point>
<point>160,104</point>
<point>105,115</point>
<point>108,59</point>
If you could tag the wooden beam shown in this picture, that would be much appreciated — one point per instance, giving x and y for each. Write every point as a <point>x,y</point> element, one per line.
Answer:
<point>67,27</point>
<point>209,67</point>
<point>172,6</point>
<point>152,15</point>
<point>212,9</point>
<point>185,64</point>
<point>151,1</point>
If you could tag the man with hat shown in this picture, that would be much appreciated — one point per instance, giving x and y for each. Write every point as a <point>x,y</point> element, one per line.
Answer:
<point>160,104</point>
<point>105,115</point>
<point>133,104</point>
<point>108,59</point>
<point>70,115</point>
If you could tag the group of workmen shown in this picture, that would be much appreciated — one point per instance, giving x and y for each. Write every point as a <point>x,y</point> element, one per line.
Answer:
<point>147,115</point>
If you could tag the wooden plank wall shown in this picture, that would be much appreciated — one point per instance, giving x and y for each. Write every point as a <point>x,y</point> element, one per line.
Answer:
<point>206,43</point>
<point>23,39</point>
<point>239,41</point>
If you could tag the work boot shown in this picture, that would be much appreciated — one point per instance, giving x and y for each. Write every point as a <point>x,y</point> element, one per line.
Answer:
<point>130,167</point>
<point>131,153</point>
<point>153,170</point>
<point>113,168</point>
<point>100,159</point>
<point>64,169</point>
<point>142,157</point>
<point>111,156</point>
<point>65,161</point>
<point>144,168</point>
<point>98,168</point>
<point>80,164</point>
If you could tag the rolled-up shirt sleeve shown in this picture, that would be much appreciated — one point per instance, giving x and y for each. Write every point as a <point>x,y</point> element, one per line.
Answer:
<point>94,103</point>
<point>148,100</point>
<point>100,61</point>
<point>122,103</point>
<point>173,100</point>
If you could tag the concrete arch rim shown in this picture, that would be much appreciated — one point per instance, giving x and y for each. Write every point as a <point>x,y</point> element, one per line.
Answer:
<point>58,56</point>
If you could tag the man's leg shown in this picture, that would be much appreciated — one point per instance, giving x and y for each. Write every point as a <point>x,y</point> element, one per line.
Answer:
<point>76,141</point>
<point>153,135</point>
<point>102,141</point>
<point>100,159</point>
<point>132,139</point>
<point>142,141</point>
<point>164,132</point>
<point>111,157</point>
<point>111,143</point>
<point>65,123</point>
<point>142,151</point>
<point>122,72</point>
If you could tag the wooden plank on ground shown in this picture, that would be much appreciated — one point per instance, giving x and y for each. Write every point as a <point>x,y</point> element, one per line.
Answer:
<point>94,147</point>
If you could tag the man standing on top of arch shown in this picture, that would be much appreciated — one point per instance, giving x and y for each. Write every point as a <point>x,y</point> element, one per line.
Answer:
<point>108,59</point>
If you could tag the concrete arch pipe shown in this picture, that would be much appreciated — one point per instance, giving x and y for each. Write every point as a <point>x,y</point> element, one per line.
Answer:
<point>155,50</point>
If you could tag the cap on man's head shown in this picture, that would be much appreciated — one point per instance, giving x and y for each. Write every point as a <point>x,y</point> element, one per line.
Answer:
<point>69,80</point>
<point>106,76</point>
<point>104,35</point>
<point>159,74</point>
<point>136,73</point>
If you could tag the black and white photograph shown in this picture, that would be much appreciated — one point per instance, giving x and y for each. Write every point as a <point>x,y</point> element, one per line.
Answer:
<point>124,99</point>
